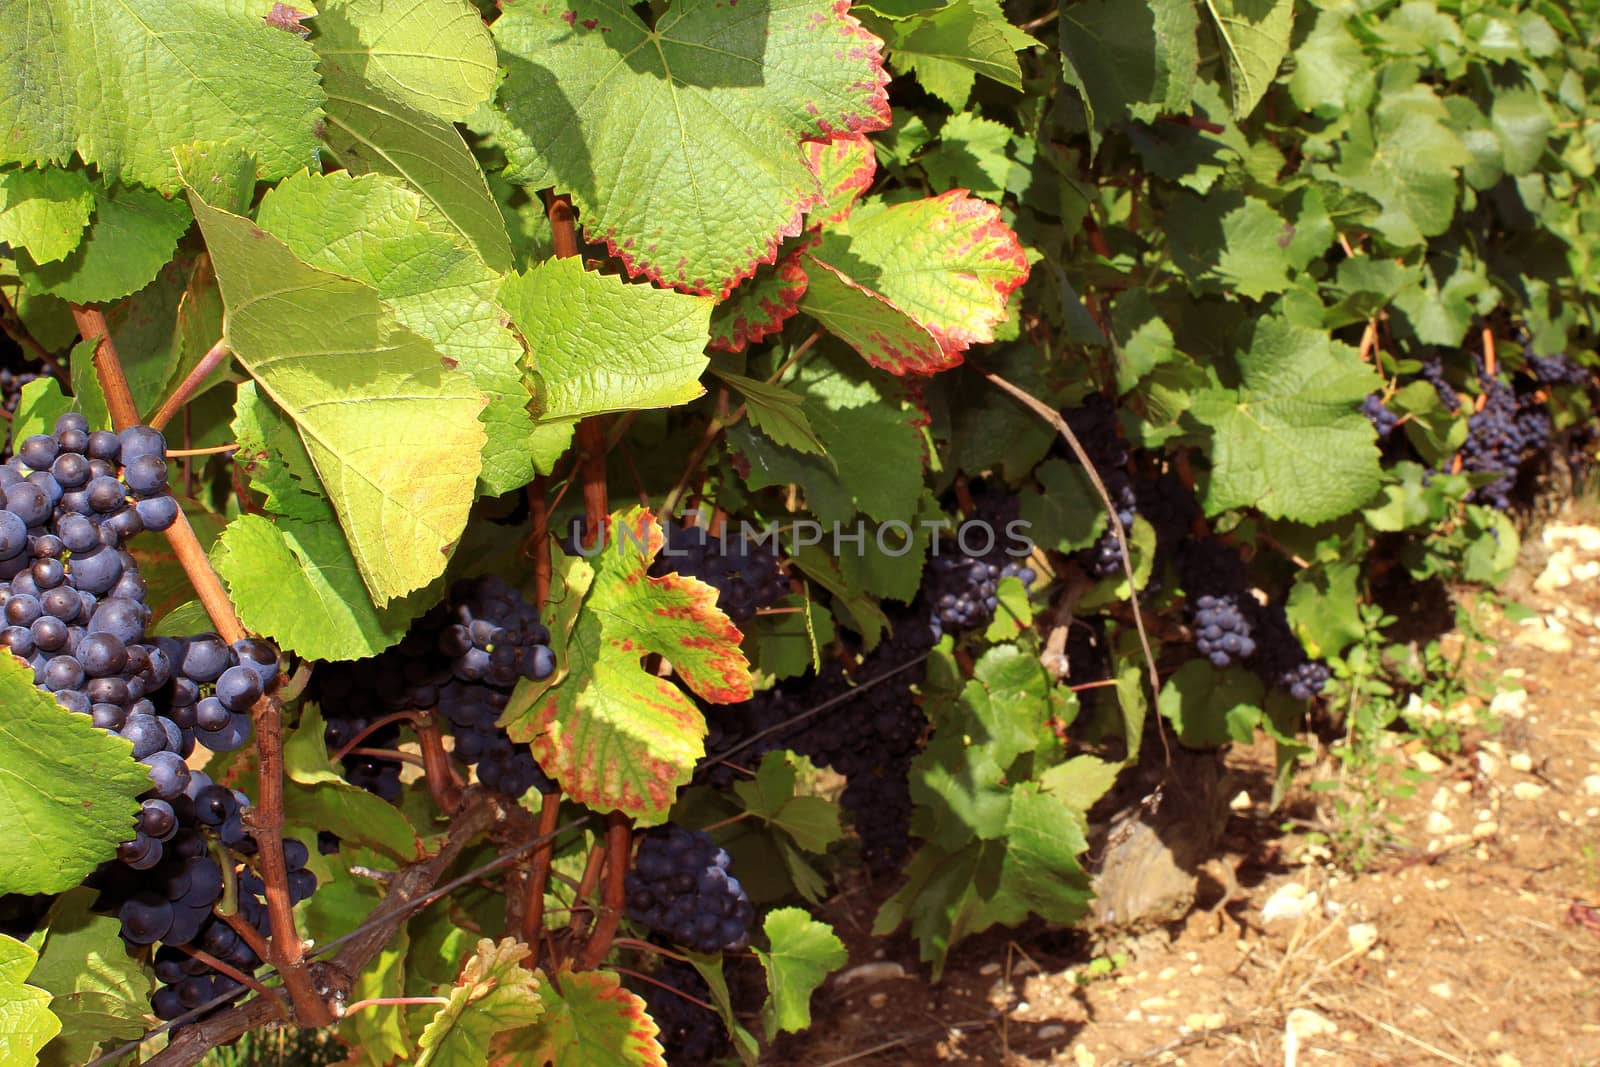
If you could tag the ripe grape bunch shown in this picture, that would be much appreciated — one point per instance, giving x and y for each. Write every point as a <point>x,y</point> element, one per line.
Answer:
<point>746,576</point>
<point>464,658</point>
<point>1499,434</point>
<point>75,611</point>
<point>688,1032</point>
<point>680,887</point>
<point>1220,605</point>
<point>1383,420</point>
<point>963,591</point>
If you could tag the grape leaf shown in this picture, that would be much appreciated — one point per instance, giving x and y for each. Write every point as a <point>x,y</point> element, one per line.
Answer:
<point>804,952</point>
<point>1130,60</point>
<point>1210,707</point>
<point>949,47</point>
<point>744,1042</point>
<point>26,1022</point>
<point>845,165</point>
<point>377,231</point>
<point>760,305</point>
<point>134,233</point>
<point>398,454</point>
<point>588,1018</point>
<point>884,334</point>
<point>494,994</point>
<point>431,55</point>
<point>812,821</point>
<point>948,262</point>
<point>872,459</point>
<point>1081,781</point>
<point>1291,441</point>
<point>122,85</point>
<point>600,344</point>
<point>680,144</point>
<point>67,788</point>
<point>376,122</point>
<point>40,404</point>
<point>44,211</point>
<point>1226,242</point>
<point>970,154</point>
<point>1254,35</point>
<point>616,736</point>
<point>320,797</point>
<point>776,412</point>
<point>98,991</point>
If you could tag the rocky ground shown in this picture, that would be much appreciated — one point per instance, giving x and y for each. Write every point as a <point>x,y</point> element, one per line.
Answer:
<point>1471,937</point>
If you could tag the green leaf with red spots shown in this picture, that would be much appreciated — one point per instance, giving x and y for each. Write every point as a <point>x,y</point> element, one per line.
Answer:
<point>494,994</point>
<point>680,144</point>
<point>845,166</point>
<point>614,735</point>
<point>760,306</point>
<point>588,1018</point>
<point>946,264</point>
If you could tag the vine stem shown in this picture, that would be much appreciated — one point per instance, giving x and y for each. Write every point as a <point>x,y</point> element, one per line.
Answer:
<point>443,783</point>
<point>267,820</point>
<point>539,874</point>
<point>371,728</point>
<point>173,404</point>
<point>247,933</point>
<point>662,985</point>
<point>539,535</point>
<point>1053,417</point>
<point>394,1002</point>
<point>591,444</point>
<point>619,837</point>
<point>239,976</point>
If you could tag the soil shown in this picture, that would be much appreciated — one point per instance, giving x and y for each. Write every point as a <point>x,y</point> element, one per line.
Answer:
<point>1472,936</point>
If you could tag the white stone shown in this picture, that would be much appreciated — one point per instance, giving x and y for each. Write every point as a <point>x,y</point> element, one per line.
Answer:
<point>1441,990</point>
<point>1362,936</point>
<point>1439,823</point>
<point>1291,901</point>
<point>1521,761</point>
<point>1591,785</point>
<point>1527,790</point>
<point>1427,762</point>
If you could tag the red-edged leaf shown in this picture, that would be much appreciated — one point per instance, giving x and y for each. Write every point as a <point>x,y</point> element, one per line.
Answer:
<point>495,993</point>
<point>845,166</point>
<point>589,1019</point>
<point>948,262</point>
<point>760,306</point>
<point>680,144</point>
<point>615,736</point>
<point>884,335</point>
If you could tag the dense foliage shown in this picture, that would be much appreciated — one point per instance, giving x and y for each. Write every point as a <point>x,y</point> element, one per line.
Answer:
<point>996,386</point>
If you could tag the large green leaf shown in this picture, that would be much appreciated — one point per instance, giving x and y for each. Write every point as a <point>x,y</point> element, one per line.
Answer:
<point>99,991</point>
<point>614,735</point>
<point>803,953</point>
<point>393,433</point>
<point>770,796</point>
<point>377,231</point>
<point>134,233</point>
<point>67,788</point>
<point>386,113</point>
<point>680,143</point>
<point>600,344</point>
<point>1254,36</point>
<point>494,994</point>
<point>26,1023</point>
<point>123,84</point>
<point>1130,58</point>
<point>430,55</point>
<point>949,262</point>
<point>1291,441</point>
<point>44,211</point>
<point>949,46</point>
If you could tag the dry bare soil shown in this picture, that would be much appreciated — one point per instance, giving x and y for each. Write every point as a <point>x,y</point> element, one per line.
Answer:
<point>1473,937</point>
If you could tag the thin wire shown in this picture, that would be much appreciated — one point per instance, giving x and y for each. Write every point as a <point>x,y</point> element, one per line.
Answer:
<point>321,950</point>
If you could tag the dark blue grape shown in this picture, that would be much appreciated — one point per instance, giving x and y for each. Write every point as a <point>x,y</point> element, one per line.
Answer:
<point>102,654</point>
<point>140,441</point>
<point>146,475</point>
<point>168,774</point>
<point>146,919</point>
<point>205,658</point>
<point>96,571</point>
<point>157,512</point>
<point>238,688</point>
<point>39,451</point>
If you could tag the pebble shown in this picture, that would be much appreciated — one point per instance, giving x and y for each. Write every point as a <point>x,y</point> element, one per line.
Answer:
<point>1362,936</point>
<point>878,1000</point>
<point>1512,703</point>
<point>1521,761</point>
<point>1485,829</point>
<point>989,969</point>
<point>1527,790</point>
<point>1442,990</point>
<point>1048,1033</point>
<point>1591,785</point>
<point>870,972</point>
<point>1241,801</point>
<point>1439,823</point>
<point>1082,1057</point>
<point>1427,762</point>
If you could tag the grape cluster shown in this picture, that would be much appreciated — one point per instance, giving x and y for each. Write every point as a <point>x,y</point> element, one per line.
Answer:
<point>1222,629</point>
<point>1221,610</point>
<point>688,1032</point>
<point>463,658</point>
<point>1557,369</point>
<point>962,591</point>
<point>1383,420</point>
<point>746,576</point>
<point>1094,424</point>
<point>729,727</point>
<point>680,886</point>
<point>1499,434</point>
<point>1283,661</point>
<point>1432,372</point>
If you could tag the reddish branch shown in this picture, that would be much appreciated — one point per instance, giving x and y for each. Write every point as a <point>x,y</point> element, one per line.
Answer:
<point>442,781</point>
<point>539,873</point>
<point>619,837</point>
<point>213,359</point>
<point>267,817</point>
<point>539,538</point>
